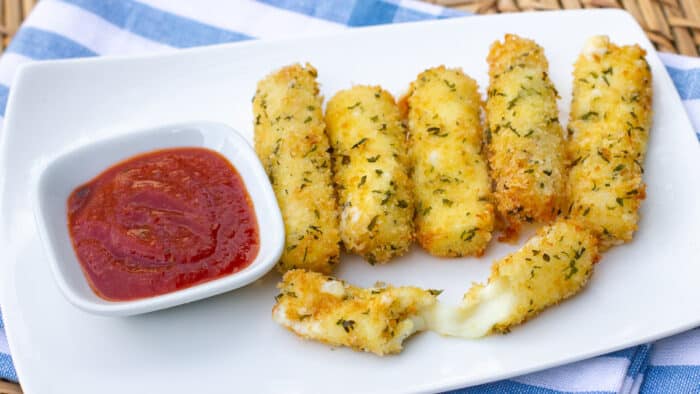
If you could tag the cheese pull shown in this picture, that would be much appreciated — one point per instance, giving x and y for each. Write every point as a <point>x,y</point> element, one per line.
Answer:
<point>551,267</point>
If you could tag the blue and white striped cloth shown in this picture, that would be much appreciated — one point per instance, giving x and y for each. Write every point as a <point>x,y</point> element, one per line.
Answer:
<point>79,28</point>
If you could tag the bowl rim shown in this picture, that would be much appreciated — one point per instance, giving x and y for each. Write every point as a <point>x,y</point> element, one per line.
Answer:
<point>267,214</point>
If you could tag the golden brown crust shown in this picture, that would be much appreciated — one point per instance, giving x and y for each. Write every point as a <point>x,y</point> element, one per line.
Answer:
<point>291,142</point>
<point>329,310</point>
<point>371,173</point>
<point>454,213</point>
<point>525,141</point>
<point>609,129</point>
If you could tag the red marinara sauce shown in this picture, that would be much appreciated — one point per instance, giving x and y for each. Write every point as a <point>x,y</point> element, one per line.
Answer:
<point>162,221</point>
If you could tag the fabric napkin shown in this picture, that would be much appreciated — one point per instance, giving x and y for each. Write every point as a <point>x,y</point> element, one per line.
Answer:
<point>79,28</point>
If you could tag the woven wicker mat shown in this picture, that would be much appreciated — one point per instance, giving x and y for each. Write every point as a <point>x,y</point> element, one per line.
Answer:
<point>672,25</point>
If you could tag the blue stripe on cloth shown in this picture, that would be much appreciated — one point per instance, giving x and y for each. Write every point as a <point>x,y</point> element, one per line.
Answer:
<point>157,25</point>
<point>4,93</point>
<point>7,369</point>
<point>512,387</point>
<point>43,45</point>
<point>372,12</point>
<point>639,361</point>
<point>358,12</point>
<point>676,379</point>
<point>687,82</point>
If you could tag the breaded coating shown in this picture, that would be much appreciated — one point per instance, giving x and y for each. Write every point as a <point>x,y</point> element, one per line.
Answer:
<point>454,213</point>
<point>525,141</point>
<point>608,132</point>
<point>552,266</point>
<point>371,173</point>
<point>328,310</point>
<point>291,142</point>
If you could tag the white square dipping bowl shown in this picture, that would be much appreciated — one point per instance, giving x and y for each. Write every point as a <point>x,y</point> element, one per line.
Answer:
<point>70,169</point>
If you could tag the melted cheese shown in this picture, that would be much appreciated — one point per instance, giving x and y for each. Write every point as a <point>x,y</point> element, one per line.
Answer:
<point>496,302</point>
<point>552,266</point>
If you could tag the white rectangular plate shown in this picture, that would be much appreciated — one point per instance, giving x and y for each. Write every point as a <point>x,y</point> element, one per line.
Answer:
<point>640,291</point>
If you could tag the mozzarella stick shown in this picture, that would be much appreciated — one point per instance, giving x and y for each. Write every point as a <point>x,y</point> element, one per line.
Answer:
<point>328,310</point>
<point>525,142</point>
<point>454,214</point>
<point>370,166</point>
<point>551,267</point>
<point>291,142</point>
<point>609,128</point>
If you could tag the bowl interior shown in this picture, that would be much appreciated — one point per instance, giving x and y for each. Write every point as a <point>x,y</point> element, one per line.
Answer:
<point>71,169</point>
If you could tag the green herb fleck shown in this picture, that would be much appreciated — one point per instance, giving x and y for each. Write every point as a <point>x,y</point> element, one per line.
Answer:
<point>372,223</point>
<point>468,235</point>
<point>572,269</point>
<point>362,180</point>
<point>589,115</point>
<point>346,324</point>
<point>360,142</point>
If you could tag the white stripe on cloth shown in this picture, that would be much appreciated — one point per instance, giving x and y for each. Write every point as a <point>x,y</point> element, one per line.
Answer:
<point>637,384</point>
<point>596,374</point>
<point>682,349</point>
<point>249,18</point>
<point>627,385</point>
<point>90,30</point>
<point>421,6</point>
<point>678,61</point>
